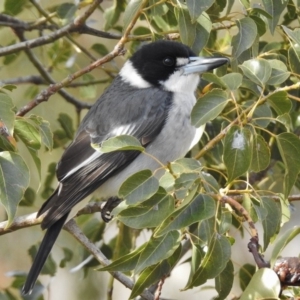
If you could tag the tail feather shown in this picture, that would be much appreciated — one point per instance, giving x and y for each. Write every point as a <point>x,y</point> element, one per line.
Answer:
<point>42,254</point>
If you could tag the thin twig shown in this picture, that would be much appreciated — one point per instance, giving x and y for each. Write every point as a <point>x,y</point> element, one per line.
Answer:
<point>46,39</point>
<point>31,220</point>
<point>235,204</point>
<point>118,50</point>
<point>159,288</point>
<point>68,97</point>
<point>39,80</point>
<point>20,223</point>
<point>12,22</point>
<point>74,230</point>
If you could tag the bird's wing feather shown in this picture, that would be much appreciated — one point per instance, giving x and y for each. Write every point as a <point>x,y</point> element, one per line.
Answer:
<point>83,169</point>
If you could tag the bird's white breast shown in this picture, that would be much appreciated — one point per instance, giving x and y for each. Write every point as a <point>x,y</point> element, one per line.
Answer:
<point>177,137</point>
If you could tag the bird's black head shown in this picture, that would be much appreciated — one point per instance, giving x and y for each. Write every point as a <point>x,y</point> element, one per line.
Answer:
<point>168,65</point>
<point>155,62</point>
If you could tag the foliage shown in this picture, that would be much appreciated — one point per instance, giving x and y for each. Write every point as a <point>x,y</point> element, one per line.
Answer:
<point>249,153</point>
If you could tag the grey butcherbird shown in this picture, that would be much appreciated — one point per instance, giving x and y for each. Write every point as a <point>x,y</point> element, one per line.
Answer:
<point>151,99</point>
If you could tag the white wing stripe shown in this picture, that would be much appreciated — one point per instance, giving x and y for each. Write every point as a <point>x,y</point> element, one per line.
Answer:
<point>95,155</point>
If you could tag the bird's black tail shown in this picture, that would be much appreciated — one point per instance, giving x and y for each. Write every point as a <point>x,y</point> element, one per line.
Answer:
<point>42,254</point>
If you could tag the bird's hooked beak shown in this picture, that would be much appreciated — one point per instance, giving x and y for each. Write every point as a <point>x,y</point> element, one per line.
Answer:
<point>203,64</point>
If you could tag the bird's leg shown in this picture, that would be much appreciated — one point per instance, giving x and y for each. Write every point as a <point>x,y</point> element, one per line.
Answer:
<point>253,247</point>
<point>108,207</point>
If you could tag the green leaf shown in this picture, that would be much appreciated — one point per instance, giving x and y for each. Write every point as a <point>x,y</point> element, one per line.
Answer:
<point>158,9</point>
<point>282,242</point>
<point>225,221</point>
<point>155,273</point>
<point>205,231</point>
<point>158,249</point>
<point>212,78</point>
<point>68,255</point>
<point>59,52</point>
<point>28,133</point>
<point>196,8</point>
<point>131,9</point>
<point>138,187</point>
<point>280,102</point>
<point>262,115</point>
<point>125,263</point>
<point>274,8</point>
<point>250,86</point>
<point>187,29</point>
<point>245,37</point>
<point>214,261</point>
<point>197,255</point>
<point>260,154</point>
<point>232,81</point>
<point>186,180</point>
<point>66,123</point>
<point>46,133</point>
<point>246,3</point>
<point>30,136</point>
<point>7,115</point>
<point>271,222</point>
<point>260,25</point>
<point>66,10</point>
<point>209,183</point>
<point>150,213</point>
<point>224,281</point>
<point>257,10</point>
<point>237,154</point>
<point>258,70</point>
<point>285,209</point>
<point>264,284</point>
<point>120,143</point>
<point>14,180</point>
<point>167,181</point>
<point>100,49</point>
<point>289,145</point>
<point>203,29</point>
<point>112,14</point>
<point>29,197</point>
<point>8,87</point>
<point>292,34</point>
<point>286,120</point>
<point>185,165</point>
<point>245,274</point>
<point>249,207</point>
<point>11,7</point>
<point>208,107</point>
<point>279,72</point>
<point>294,58</point>
<point>184,216</point>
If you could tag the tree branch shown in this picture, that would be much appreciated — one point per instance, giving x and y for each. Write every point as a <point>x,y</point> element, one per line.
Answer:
<point>9,21</point>
<point>53,88</point>
<point>46,39</point>
<point>39,80</point>
<point>31,220</point>
<point>69,98</point>
<point>74,230</point>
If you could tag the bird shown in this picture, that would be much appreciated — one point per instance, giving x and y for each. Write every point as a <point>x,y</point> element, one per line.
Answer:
<point>150,99</point>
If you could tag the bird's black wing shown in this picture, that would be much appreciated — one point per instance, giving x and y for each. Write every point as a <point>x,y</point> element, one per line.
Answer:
<point>82,169</point>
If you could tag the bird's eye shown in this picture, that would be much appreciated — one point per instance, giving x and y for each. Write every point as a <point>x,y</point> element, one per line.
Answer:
<point>169,61</point>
